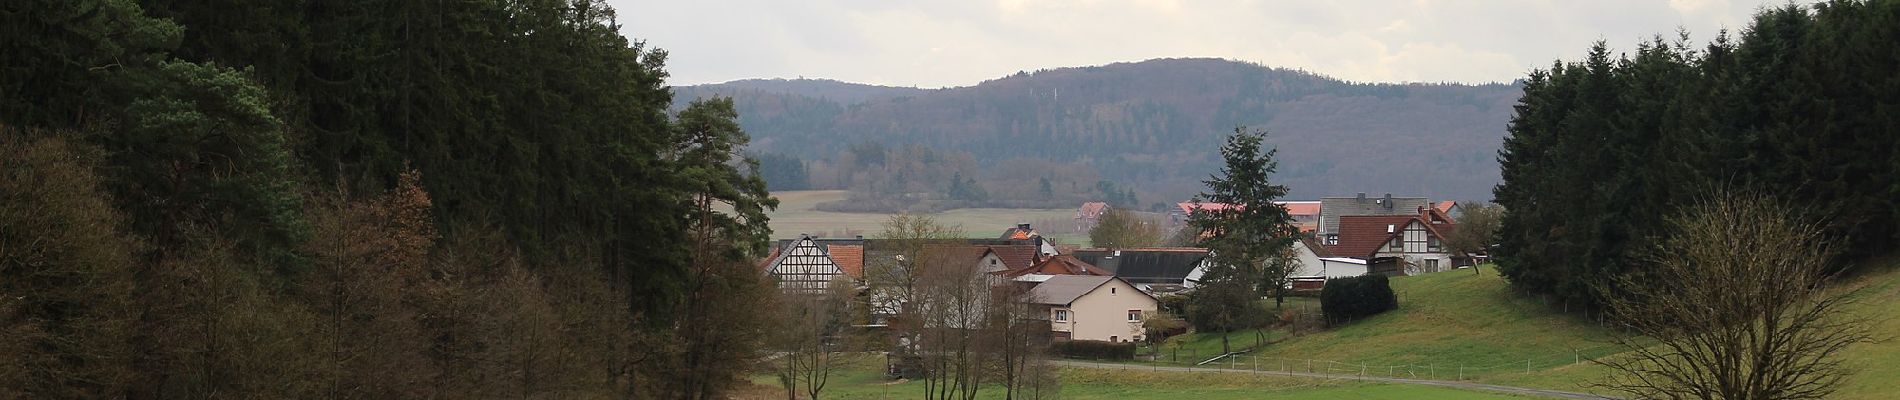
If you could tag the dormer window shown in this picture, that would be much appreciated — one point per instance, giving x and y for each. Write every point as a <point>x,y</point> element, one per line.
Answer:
<point>1332,239</point>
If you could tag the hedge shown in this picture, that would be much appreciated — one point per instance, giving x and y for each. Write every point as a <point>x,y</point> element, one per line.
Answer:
<point>1347,299</point>
<point>1093,350</point>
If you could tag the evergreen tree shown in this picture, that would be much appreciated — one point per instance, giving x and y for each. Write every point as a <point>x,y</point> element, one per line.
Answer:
<point>1245,235</point>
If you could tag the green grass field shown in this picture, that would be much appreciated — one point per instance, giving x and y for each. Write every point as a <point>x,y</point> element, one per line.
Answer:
<point>796,214</point>
<point>1457,324</point>
<point>862,381</point>
<point>1445,321</point>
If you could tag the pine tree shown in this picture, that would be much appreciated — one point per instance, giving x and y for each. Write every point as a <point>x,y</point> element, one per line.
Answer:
<point>1252,229</point>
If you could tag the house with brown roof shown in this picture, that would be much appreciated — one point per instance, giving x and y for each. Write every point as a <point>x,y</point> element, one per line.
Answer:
<point>1414,242</point>
<point>1063,264</point>
<point>1089,214</point>
<point>1093,307</point>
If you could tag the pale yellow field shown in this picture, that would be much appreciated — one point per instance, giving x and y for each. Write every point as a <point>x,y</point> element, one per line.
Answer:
<point>796,215</point>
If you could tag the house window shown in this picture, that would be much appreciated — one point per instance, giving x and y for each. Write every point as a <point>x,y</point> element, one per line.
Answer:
<point>1332,240</point>
<point>1431,265</point>
<point>1432,243</point>
<point>1394,245</point>
<point>1134,315</point>
<point>1062,315</point>
<point>1111,291</point>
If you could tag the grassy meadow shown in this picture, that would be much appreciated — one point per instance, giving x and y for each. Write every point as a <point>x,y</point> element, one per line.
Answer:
<point>796,214</point>
<point>1460,325</point>
<point>862,381</point>
<point>1449,326</point>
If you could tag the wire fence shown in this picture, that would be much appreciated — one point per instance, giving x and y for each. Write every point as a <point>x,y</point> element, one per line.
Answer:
<point>1468,368</point>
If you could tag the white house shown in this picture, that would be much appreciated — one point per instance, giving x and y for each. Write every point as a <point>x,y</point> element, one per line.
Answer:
<point>1313,266</point>
<point>1092,307</point>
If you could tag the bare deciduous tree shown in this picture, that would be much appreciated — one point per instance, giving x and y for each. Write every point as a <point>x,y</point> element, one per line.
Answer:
<point>1019,335</point>
<point>1477,229</point>
<point>895,276</point>
<point>1735,304</point>
<point>1121,229</point>
<point>813,337</point>
<point>955,297</point>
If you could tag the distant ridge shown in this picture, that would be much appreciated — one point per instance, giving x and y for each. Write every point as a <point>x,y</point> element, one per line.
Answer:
<point>844,93</point>
<point>1156,124</point>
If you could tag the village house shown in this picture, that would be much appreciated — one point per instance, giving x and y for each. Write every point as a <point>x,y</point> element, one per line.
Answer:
<point>1317,264</point>
<point>1092,307</point>
<point>1089,214</point>
<point>1160,270</point>
<point>1333,208</point>
<point>1063,264</point>
<point>1397,244</point>
<point>808,265</point>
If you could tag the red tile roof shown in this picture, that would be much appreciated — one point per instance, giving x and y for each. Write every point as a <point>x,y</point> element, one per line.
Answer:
<point>767,262</point>
<point>1292,207</point>
<point>1300,207</point>
<point>1061,265</point>
<point>849,258</point>
<point>1091,210</point>
<point>1363,235</point>
<point>1444,206</point>
<point>1017,256</point>
<point>1188,207</point>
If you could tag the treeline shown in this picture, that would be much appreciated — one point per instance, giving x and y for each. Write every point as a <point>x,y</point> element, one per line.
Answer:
<point>364,199</point>
<point>915,178</point>
<point>1801,104</point>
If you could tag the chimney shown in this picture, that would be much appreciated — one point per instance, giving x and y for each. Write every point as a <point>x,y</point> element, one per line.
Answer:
<point>1388,201</point>
<point>1362,197</point>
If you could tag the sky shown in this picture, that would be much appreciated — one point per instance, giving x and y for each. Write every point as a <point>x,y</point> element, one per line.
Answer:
<point>933,44</point>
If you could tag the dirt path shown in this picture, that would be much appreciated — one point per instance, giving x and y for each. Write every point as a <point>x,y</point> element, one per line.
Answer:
<point>1450,384</point>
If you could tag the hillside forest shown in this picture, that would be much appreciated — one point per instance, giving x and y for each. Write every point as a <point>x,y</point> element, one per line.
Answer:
<point>1803,104</point>
<point>1053,138</point>
<point>364,199</point>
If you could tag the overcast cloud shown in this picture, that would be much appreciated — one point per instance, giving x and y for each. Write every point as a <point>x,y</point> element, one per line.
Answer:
<point>959,43</point>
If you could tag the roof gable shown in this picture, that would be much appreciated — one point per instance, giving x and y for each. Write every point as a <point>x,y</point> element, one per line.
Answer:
<point>1063,290</point>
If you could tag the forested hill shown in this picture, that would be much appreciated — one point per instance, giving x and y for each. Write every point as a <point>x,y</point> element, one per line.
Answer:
<point>1153,125</point>
<point>844,93</point>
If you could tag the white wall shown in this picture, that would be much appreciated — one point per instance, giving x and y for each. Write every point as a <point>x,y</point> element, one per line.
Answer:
<point>1312,265</point>
<point>1104,313</point>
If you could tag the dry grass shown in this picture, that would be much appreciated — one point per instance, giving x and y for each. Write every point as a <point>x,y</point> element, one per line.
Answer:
<point>796,215</point>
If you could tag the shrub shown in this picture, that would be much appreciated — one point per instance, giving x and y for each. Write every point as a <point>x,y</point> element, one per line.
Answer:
<point>1093,350</point>
<point>1347,299</point>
